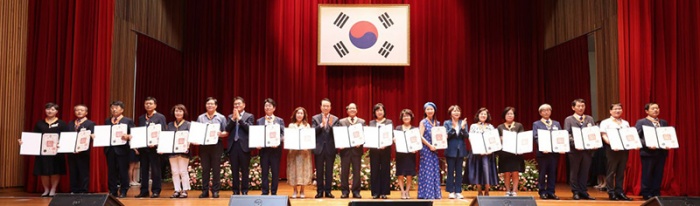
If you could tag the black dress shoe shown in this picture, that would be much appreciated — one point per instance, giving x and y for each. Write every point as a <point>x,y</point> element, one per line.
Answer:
<point>587,197</point>
<point>577,196</point>
<point>204,194</point>
<point>155,195</point>
<point>141,195</point>
<point>345,195</point>
<point>319,195</point>
<point>356,195</point>
<point>622,196</point>
<point>544,196</point>
<point>329,195</point>
<point>553,197</point>
<point>612,196</point>
<point>215,194</point>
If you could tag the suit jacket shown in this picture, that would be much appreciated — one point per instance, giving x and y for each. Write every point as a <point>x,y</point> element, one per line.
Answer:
<point>279,122</point>
<point>87,125</point>
<point>456,146</point>
<point>242,123</point>
<point>540,125</point>
<point>645,151</point>
<point>122,149</point>
<point>357,151</point>
<point>570,122</point>
<point>325,144</point>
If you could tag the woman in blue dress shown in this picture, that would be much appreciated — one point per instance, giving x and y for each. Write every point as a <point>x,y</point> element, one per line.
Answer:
<point>482,168</point>
<point>429,171</point>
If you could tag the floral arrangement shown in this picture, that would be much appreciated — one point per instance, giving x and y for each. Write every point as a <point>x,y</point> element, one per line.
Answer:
<point>528,179</point>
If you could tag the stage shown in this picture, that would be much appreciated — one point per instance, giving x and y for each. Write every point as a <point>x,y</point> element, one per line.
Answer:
<point>17,197</point>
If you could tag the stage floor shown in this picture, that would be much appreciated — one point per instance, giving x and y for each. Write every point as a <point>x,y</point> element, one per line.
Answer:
<point>16,196</point>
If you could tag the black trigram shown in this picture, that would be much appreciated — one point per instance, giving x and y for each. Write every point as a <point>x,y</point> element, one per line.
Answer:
<point>386,20</point>
<point>386,48</point>
<point>341,49</point>
<point>341,19</point>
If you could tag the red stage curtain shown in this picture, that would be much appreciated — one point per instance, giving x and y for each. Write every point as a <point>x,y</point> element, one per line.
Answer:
<point>567,78</point>
<point>659,56</point>
<point>469,53</point>
<point>69,62</point>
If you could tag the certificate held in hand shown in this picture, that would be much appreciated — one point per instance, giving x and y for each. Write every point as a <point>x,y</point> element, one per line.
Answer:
<point>173,142</point>
<point>485,143</point>
<point>74,142</point>
<point>587,138</point>
<point>264,136</point>
<point>204,134</point>
<point>378,137</point>
<point>553,141</point>
<point>517,143</point>
<point>38,144</point>
<point>299,139</point>
<point>408,141</point>
<point>439,137</point>
<point>350,136</point>
<point>109,135</point>
<point>660,137</point>
<point>624,139</point>
<point>145,136</point>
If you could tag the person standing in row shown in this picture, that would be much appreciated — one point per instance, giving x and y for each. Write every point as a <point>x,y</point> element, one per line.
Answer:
<point>238,150</point>
<point>429,171</point>
<point>324,154</point>
<point>511,165</point>
<point>180,162</point>
<point>617,159</point>
<point>118,156</point>
<point>546,162</point>
<point>150,159</point>
<point>653,158</point>
<point>405,162</point>
<point>79,163</point>
<point>456,151</point>
<point>579,160</point>
<point>211,154</point>
<point>299,167</point>
<point>270,157</point>
<point>482,167</point>
<point>350,156</point>
<point>380,159</point>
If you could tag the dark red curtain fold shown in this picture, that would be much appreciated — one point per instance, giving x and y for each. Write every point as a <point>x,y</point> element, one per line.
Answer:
<point>69,62</point>
<point>659,54</point>
<point>567,77</point>
<point>469,53</point>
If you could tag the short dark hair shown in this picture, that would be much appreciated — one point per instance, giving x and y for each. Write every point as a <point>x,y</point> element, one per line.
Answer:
<point>151,99</point>
<point>648,105</point>
<point>51,105</point>
<point>216,102</point>
<point>179,107</point>
<point>453,108</point>
<point>238,98</point>
<point>348,107</point>
<point>405,112</point>
<point>325,99</point>
<point>269,100</point>
<point>483,109</point>
<point>117,103</point>
<point>616,104</point>
<point>81,105</point>
<point>377,107</point>
<point>505,111</point>
<point>579,100</point>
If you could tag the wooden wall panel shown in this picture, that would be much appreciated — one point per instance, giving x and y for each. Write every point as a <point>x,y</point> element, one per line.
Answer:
<point>567,19</point>
<point>160,19</point>
<point>13,51</point>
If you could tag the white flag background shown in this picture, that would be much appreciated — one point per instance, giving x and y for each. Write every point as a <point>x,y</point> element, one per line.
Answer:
<point>363,34</point>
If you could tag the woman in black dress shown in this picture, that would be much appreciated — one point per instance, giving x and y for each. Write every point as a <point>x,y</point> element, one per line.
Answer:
<point>511,165</point>
<point>50,168</point>
<point>405,162</point>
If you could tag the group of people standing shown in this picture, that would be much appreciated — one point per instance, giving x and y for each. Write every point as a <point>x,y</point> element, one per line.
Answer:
<point>480,170</point>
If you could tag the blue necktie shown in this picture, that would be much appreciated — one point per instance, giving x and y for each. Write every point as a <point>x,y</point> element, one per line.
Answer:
<point>236,137</point>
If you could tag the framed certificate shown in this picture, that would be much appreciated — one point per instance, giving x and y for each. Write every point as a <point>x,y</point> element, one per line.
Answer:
<point>408,141</point>
<point>204,134</point>
<point>553,141</point>
<point>299,139</point>
<point>660,137</point>
<point>38,144</point>
<point>439,137</point>
<point>587,138</point>
<point>350,136</point>
<point>73,142</point>
<point>109,135</point>
<point>485,143</point>
<point>378,137</point>
<point>624,138</point>
<point>517,143</point>
<point>264,136</point>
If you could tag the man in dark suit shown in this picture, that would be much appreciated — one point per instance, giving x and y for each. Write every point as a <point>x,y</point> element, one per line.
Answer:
<point>149,156</point>
<point>352,155</point>
<point>79,163</point>
<point>270,156</point>
<point>118,156</point>
<point>579,160</point>
<point>238,151</point>
<point>324,154</point>
<point>653,158</point>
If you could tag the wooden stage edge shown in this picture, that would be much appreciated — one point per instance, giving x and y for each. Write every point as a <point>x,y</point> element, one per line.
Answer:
<point>17,197</point>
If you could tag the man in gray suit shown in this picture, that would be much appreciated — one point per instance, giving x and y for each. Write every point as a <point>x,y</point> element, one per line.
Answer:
<point>324,154</point>
<point>350,156</point>
<point>238,151</point>
<point>579,160</point>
